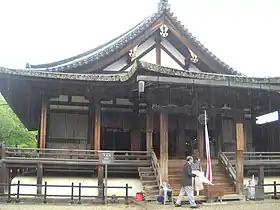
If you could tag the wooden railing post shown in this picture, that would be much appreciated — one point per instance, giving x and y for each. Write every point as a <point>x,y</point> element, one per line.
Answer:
<point>72,193</point>
<point>18,187</point>
<point>274,190</point>
<point>80,193</point>
<point>126,194</point>
<point>45,193</point>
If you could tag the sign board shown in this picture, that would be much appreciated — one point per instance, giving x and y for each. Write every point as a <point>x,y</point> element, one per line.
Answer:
<point>106,157</point>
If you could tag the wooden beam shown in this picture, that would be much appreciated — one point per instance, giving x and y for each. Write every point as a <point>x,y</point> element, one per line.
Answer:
<point>97,127</point>
<point>239,157</point>
<point>208,82</point>
<point>43,125</point>
<point>173,57</point>
<point>164,145</point>
<point>158,48</point>
<point>149,130</point>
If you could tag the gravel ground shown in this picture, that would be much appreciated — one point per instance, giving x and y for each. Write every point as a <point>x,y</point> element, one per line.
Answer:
<point>267,205</point>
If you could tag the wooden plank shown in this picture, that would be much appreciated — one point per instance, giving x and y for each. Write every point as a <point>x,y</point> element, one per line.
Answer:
<point>149,130</point>
<point>239,157</point>
<point>43,125</point>
<point>164,145</point>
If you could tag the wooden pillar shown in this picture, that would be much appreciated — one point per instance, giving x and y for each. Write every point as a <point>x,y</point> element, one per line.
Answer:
<point>39,179</point>
<point>43,124</point>
<point>200,141</point>
<point>96,145</point>
<point>90,125</point>
<point>97,127</point>
<point>164,145</point>
<point>239,157</point>
<point>149,131</point>
<point>261,176</point>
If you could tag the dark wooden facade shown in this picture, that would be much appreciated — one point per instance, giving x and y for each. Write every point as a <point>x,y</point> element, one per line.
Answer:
<point>109,98</point>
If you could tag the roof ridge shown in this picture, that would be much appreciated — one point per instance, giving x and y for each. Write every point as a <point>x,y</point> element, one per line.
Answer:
<point>163,5</point>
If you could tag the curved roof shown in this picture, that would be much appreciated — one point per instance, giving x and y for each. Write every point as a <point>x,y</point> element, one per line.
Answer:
<point>123,40</point>
<point>269,83</point>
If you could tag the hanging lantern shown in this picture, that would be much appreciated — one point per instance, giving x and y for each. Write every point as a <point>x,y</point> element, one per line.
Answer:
<point>141,86</point>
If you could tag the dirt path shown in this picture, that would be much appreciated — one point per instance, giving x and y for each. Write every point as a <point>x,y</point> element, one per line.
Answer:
<point>267,205</point>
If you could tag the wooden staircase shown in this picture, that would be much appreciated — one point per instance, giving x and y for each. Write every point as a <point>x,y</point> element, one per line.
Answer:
<point>149,182</point>
<point>220,176</point>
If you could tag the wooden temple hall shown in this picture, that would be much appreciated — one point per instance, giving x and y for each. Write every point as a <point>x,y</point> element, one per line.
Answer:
<point>145,93</point>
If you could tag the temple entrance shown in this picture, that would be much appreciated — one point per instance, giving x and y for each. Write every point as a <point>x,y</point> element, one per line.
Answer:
<point>115,139</point>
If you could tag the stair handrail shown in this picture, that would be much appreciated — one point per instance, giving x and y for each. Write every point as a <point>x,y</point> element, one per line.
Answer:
<point>228,166</point>
<point>156,167</point>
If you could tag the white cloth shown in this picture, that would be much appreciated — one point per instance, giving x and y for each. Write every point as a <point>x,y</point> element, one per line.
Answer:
<point>202,178</point>
<point>197,183</point>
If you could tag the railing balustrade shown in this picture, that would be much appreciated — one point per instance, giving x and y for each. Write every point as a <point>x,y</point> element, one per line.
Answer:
<point>60,156</point>
<point>156,167</point>
<point>18,196</point>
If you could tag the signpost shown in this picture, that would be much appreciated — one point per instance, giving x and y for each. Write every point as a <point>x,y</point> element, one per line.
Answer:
<point>106,158</point>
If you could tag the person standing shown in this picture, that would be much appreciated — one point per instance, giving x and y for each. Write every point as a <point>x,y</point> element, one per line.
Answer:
<point>186,182</point>
<point>196,168</point>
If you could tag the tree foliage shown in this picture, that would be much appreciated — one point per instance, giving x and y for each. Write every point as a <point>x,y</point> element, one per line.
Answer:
<point>12,131</point>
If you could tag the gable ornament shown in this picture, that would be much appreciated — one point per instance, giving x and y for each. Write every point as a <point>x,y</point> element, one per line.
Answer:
<point>193,57</point>
<point>132,52</point>
<point>164,30</point>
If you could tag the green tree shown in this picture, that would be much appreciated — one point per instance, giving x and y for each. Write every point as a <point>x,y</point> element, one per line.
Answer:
<point>12,131</point>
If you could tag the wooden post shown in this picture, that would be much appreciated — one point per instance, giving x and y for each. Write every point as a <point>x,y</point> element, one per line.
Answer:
<point>90,124</point>
<point>4,178</point>
<point>39,179</point>
<point>97,125</point>
<point>149,131</point>
<point>200,142</point>
<point>239,157</point>
<point>43,125</point>
<point>100,179</point>
<point>164,145</point>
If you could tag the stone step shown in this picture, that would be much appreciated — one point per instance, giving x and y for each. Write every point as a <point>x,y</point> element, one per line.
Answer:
<point>149,182</point>
<point>142,169</point>
<point>152,192</point>
<point>146,173</point>
<point>148,178</point>
<point>150,187</point>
